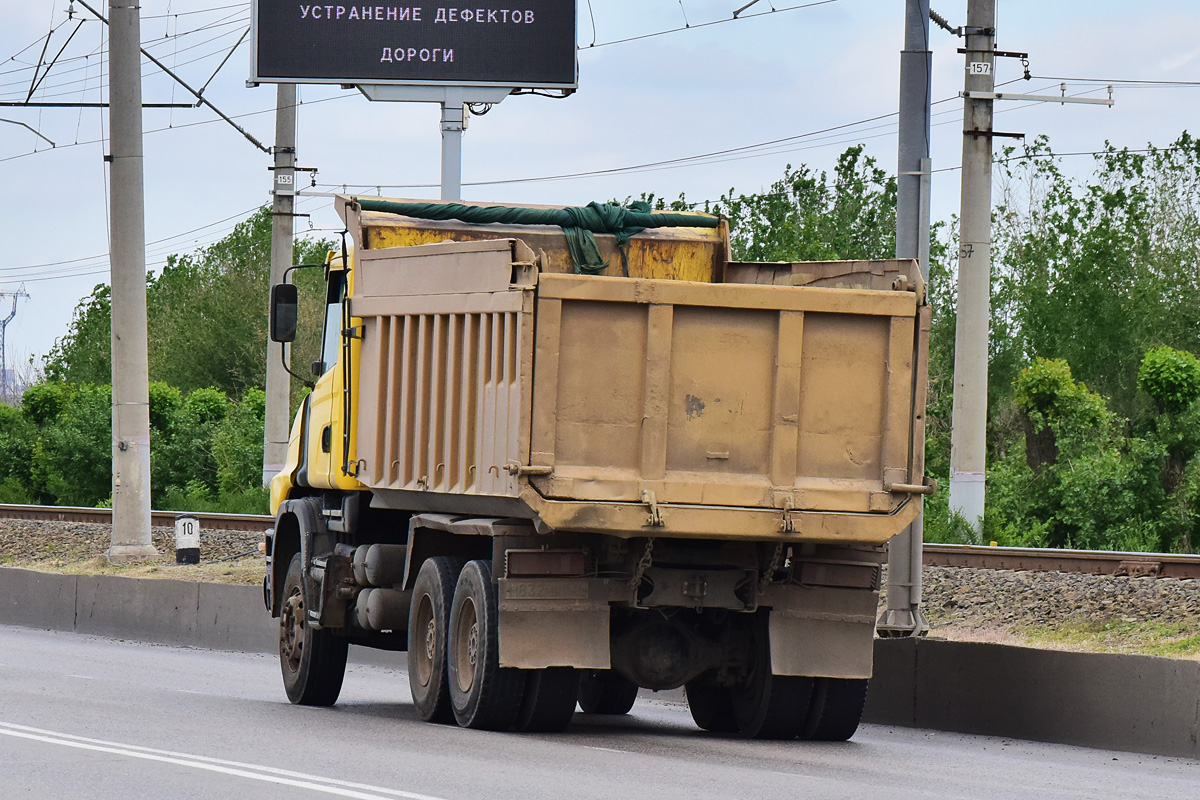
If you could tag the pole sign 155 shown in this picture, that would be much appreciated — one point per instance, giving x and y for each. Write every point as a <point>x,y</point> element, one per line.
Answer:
<point>518,43</point>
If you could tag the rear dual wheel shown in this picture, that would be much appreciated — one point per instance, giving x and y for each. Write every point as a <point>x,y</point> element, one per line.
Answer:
<point>482,693</point>
<point>603,691</point>
<point>428,632</point>
<point>454,659</point>
<point>711,705</point>
<point>835,709</point>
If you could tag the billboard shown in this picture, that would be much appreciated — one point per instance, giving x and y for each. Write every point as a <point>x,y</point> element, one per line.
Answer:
<point>518,43</point>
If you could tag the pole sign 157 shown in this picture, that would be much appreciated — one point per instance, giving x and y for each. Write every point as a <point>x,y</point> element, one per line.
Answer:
<point>518,43</point>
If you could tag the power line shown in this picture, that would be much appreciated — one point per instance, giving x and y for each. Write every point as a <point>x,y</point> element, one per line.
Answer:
<point>148,43</point>
<point>178,127</point>
<point>157,256</point>
<point>594,45</point>
<point>766,148</point>
<point>145,74</point>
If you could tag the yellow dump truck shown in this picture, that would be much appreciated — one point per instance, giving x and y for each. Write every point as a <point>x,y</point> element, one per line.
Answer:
<point>561,454</point>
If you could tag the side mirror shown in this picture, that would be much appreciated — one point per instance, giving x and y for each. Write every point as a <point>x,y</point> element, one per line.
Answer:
<point>284,305</point>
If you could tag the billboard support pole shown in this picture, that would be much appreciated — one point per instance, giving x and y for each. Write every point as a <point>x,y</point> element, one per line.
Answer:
<point>454,122</point>
<point>453,101</point>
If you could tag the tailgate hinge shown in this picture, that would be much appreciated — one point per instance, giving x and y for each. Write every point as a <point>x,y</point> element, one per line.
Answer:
<point>656,518</point>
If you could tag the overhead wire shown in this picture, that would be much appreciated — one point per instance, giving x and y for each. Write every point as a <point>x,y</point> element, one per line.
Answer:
<point>710,23</point>
<point>146,73</point>
<point>148,44</point>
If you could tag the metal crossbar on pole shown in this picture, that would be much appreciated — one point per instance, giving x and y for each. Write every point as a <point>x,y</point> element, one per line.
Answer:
<point>127,258</point>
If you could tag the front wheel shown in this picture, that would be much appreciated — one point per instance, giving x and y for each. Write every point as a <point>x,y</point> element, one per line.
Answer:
<point>313,661</point>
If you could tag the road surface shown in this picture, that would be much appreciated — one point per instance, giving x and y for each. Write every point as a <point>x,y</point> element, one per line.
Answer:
<point>85,717</point>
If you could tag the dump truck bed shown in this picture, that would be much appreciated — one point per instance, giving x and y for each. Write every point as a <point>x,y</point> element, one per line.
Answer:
<point>490,384</point>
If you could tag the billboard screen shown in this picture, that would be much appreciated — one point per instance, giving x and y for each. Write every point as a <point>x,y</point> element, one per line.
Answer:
<point>519,43</point>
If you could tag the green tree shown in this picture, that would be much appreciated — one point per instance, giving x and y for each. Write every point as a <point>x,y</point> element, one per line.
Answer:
<point>805,216</point>
<point>207,316</point>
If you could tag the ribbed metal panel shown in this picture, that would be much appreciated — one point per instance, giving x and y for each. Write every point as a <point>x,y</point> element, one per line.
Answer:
<point>444,381</point>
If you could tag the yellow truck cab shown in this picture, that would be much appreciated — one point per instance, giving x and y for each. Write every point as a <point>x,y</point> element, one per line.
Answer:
<point>561,454</point>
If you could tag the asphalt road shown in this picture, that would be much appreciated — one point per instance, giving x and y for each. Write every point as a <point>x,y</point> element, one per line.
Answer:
<point>84,717</point>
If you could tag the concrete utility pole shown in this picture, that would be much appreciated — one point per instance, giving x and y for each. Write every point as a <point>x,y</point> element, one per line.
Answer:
<point>127,259</point>
<point>903,616</point>
<point>275,430</point>
<point>968,445</point>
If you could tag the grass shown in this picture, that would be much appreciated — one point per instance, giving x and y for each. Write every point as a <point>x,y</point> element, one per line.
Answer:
<point>1176,640</point>
<point>246,571</point>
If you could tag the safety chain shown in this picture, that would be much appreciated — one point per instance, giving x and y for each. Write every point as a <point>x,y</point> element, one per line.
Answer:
<point>769,574</point>
<point>643,564</point>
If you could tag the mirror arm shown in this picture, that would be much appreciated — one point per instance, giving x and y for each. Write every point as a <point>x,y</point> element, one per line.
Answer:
<point>283,359</point>
<point>288,271</point>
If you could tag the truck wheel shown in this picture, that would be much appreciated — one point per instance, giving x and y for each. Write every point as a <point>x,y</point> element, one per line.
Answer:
<point>549,701</point>
<point>428,623</point>
<point>837,708</point>
<point>770,706</point>
<point>602,691</point>
<point>482,694</point>
<point>711,706</point>
<point>313,661</point>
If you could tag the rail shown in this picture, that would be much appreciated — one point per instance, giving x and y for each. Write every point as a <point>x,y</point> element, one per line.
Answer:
<point>208,520</point>
<point>1093,562</point>
<point>1027,559</point>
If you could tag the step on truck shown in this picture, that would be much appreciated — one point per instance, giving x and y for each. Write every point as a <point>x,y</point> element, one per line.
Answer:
<point>558,455</point>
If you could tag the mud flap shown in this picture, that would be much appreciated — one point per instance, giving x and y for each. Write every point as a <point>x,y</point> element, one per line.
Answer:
<point>822,632</point>
<point>554,622</point>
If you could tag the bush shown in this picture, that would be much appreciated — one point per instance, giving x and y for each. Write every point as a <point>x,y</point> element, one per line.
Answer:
<point>1171,377</point>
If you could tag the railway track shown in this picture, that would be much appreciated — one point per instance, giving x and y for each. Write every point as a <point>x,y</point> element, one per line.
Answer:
<point>1093,562</point>
<point>212,521</point>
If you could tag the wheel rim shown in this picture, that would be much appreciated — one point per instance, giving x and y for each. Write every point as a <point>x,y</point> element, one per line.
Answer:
<point>291,630</point>
<point>427,648</point>
<point>466,651</point>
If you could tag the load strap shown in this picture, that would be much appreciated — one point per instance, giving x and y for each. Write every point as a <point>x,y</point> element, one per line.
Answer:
<point>579,224</point>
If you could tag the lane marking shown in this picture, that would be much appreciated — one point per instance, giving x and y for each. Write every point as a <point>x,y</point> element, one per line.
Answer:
<point>258,772</point>
<point>607,749</point>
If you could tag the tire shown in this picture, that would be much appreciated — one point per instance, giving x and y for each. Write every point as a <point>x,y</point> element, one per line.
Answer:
<point>602,691</point>
<point>770,706</point>
<point>549,702</point>
<point>313,662</point>
<point>836,709</point>
<point>428,626</point>
<point>483,695</point>
<point>711,705</point>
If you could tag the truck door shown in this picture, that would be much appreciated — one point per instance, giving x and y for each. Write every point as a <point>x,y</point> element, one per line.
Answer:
<point>324,443</point>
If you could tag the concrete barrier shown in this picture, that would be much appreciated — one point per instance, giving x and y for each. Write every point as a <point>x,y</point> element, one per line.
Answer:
<point>1139,704</point>
<point>1133,703</point>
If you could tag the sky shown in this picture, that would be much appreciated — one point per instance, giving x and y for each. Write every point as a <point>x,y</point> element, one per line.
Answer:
<point>770,75</point>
